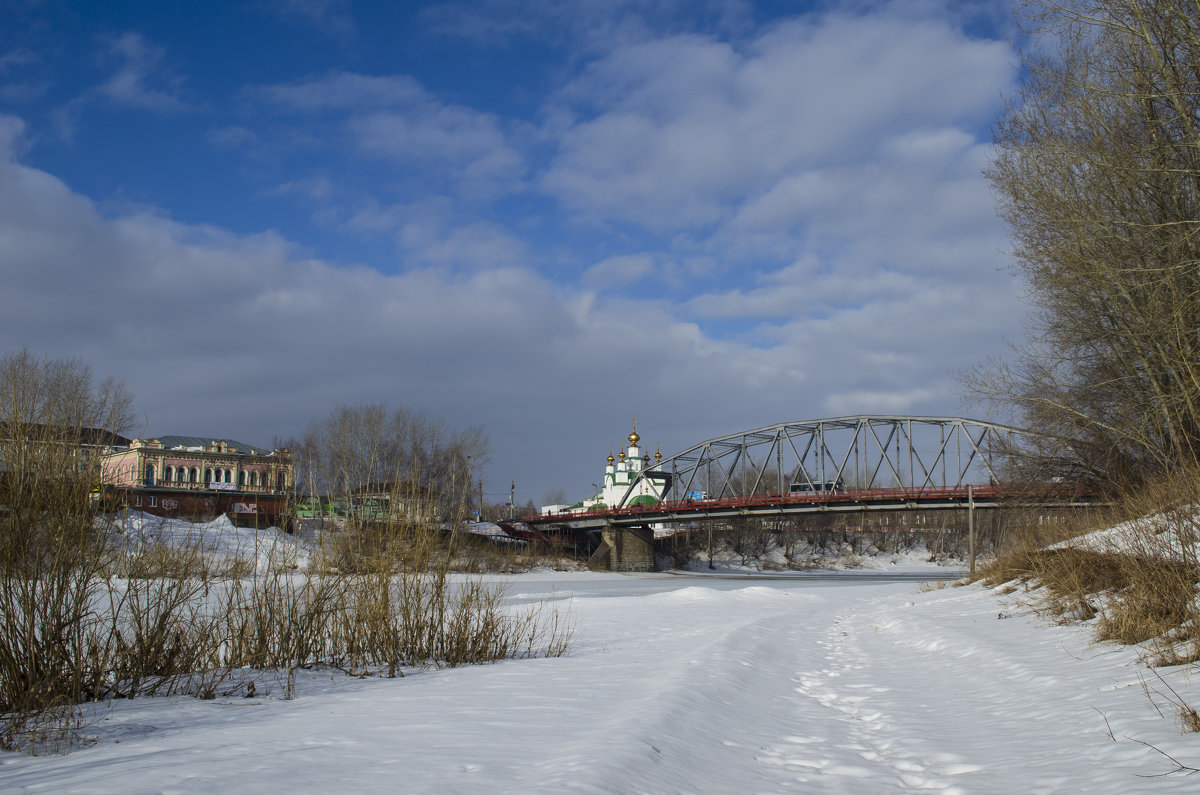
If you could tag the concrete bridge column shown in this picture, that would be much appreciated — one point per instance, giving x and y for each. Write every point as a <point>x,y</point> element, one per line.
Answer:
<point>624,549</point>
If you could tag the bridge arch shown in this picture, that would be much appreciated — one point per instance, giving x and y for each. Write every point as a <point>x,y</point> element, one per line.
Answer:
<point>860,452</point>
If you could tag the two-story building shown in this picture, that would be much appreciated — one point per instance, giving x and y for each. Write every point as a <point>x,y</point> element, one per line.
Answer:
<point>200,477</point>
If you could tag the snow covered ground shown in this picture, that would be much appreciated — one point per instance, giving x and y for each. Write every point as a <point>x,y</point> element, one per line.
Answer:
<point>218,541</point>
<point>913,561</point>
<point>684,684</point>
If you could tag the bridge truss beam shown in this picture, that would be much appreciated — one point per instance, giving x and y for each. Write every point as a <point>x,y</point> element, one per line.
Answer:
<point>842,453</point>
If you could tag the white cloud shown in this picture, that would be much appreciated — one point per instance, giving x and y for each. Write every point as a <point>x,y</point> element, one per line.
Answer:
<point>22,56</point>
<point>331,16</point>
<point>472,142</point>
<point>12,137</point>
<point>806,206</point>
<point>582,26</point>
<point>241,335</point>
<point>16,84</point>
<point>621,271</point>
<point>231,137</point>
<point>426,233</point>
<point>674,133</point>
<point>139,64</point>
<point>139,81</point>
<point>345,91</point>
<point>395,119</point>
<point>867,402</point>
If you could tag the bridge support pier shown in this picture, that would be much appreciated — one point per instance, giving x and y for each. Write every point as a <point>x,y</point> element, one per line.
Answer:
<point>624,549</point>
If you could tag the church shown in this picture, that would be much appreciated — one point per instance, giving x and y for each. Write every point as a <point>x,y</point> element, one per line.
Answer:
<point>618,475</point>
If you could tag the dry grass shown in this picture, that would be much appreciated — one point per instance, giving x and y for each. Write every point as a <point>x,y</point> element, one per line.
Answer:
<point>1134,572</point>
<point>1137,577</point>
<point>80,622</point>
<point>85,618</point>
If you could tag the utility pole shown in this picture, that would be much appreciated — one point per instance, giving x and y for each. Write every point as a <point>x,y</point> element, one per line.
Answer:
<point>481,499</point>
<point>512,495</point>
<point>971,525</point>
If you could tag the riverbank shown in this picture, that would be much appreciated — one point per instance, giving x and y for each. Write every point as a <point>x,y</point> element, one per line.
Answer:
<point>680,684</point>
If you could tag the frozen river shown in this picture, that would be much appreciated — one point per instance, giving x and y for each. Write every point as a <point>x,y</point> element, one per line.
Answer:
<point>839,683</point>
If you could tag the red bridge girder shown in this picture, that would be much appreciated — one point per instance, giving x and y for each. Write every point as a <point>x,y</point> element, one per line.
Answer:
<point>811,500</point>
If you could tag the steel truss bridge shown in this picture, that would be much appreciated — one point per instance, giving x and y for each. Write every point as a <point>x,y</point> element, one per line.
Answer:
<point>857,463</point>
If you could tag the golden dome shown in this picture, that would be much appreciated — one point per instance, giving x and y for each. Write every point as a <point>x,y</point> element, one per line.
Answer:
<point>633,437</point>
<point>646,458</point>
<point>657,454</point>
<point>621,455</point>
<point>610,458</point>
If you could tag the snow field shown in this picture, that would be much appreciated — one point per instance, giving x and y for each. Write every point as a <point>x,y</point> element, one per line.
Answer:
<point>219,541</point>
<point>682,685</point>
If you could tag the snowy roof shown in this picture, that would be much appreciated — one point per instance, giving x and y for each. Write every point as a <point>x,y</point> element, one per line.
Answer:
<point>189,442</point>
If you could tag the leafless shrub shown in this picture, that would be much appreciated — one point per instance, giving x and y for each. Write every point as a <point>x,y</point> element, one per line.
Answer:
<point>83,618</point>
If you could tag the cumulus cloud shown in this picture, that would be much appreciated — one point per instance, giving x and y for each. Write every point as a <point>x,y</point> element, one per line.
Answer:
<point>345,91</point>
<point>242,335</point>
<point>585,27</point>
<point>712,231</point>
<point>139,65</point>
<point>619,271</point>
<point>138,80</point>
<point>231,137</point>
<point>675,132</point>
<point>330,16</point>
<point>393,118</point>
<point>18,81</point>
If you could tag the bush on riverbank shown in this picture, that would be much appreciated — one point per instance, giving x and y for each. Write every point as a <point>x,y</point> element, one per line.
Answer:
<point>1133,570</point>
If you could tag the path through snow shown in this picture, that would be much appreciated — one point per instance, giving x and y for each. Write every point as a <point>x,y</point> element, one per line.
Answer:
<point>691,687</point>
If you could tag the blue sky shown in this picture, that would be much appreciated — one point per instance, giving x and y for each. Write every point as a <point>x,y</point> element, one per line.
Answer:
<point>540,217</point>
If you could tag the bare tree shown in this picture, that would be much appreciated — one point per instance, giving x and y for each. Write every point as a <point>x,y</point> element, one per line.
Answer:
<point>369,453</point>
<point>53,421</point>
<point>1098,176</point>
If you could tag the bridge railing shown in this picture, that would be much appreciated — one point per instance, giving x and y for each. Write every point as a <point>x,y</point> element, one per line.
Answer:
<point>920,497</point>
<point>958,493</point>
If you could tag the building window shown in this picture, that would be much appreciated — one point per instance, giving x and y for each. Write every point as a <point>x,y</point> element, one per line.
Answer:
<point>208,476</point>
<point>154,502</point>
<point>149,474</point>
<point>241,477</point>
<point>228,476</point>
<point>137,501</point>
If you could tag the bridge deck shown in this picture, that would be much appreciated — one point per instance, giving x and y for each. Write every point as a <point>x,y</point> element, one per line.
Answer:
<point>813,502</point>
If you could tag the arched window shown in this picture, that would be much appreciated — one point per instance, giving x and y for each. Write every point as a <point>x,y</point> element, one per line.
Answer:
<point>253,478</point>
<point>228,476</point>
<point>208,476</point>
<point>149,474</point>
<point>241,477</point>
<point>195,473</point>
